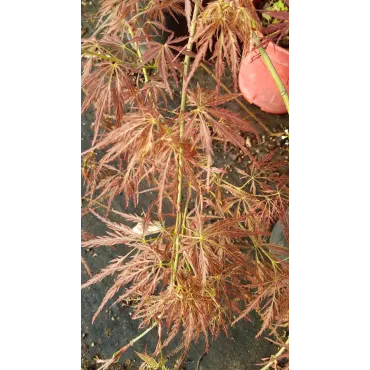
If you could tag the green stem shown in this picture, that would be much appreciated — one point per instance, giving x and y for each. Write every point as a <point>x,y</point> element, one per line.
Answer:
<point>102,56</point>
<point>282,349</point>
<point>133,341</point>
<point>266,59</point>
<point>182,125</point>
<point>121,351</point>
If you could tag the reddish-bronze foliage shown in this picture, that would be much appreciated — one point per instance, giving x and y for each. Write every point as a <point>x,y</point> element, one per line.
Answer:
<point>233,24</point>
<point>211,266</point>
<point>165,60</point>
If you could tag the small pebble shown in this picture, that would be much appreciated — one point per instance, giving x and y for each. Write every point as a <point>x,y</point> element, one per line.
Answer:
<point>232,156</point>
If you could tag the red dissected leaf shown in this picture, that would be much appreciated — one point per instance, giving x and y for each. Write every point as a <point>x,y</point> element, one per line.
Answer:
<point>230,27</point>
<point>166,61</point>
<point>188,11</point>
<point>207,114</point>
<point>84,263</point>
<point>157,9</point>
<point>104,88</point>
<point>276,31</point>
<point>284,16</point>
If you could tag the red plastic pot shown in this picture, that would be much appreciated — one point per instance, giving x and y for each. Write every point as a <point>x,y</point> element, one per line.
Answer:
<point>255,81</point>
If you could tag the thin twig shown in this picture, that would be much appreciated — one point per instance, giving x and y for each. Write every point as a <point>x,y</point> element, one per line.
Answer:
<point>101,56</point>
<point>281,350</point>
<point>200,359</point>
<point>121,351</point>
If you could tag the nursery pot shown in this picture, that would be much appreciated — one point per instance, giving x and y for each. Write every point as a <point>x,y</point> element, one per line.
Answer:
<point>255,81</point>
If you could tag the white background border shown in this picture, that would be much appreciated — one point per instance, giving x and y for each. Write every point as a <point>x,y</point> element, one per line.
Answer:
<point>40,188</point>
<point>40,185</point>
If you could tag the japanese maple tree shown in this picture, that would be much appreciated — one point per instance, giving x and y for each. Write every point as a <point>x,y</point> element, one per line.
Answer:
<point>208,263</point>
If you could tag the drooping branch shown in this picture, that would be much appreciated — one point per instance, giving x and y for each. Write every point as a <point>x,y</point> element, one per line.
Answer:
<point>182,125</point>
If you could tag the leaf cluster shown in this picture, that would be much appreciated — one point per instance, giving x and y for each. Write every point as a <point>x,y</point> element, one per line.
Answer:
<point>207,262</point>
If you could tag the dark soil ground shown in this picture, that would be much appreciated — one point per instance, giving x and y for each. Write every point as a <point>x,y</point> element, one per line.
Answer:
<point>114,327</point>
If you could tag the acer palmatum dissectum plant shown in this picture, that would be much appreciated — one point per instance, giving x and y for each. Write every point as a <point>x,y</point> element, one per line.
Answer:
<point>212,264</point>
